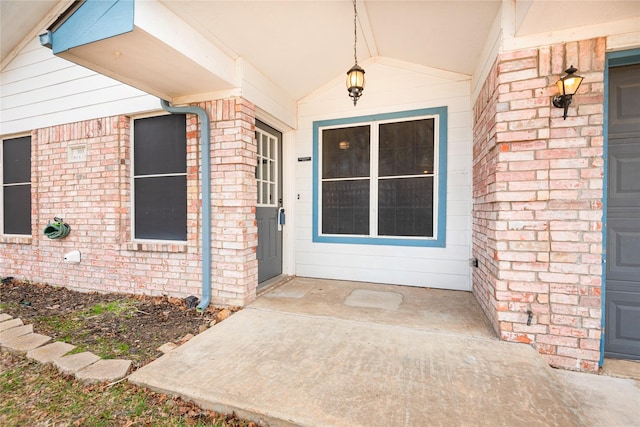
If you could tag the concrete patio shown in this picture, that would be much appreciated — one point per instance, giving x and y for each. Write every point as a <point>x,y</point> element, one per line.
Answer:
<point>333,353</point>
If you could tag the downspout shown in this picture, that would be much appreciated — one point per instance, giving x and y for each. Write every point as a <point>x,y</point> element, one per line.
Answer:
<point>205,153</point>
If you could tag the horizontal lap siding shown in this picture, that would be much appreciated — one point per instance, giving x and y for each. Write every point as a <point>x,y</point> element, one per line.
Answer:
<point>392,89</point>
<point>40,90</point>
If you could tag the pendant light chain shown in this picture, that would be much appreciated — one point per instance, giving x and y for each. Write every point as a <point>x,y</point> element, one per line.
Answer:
<point>355,32</point>
<point>355,76</point>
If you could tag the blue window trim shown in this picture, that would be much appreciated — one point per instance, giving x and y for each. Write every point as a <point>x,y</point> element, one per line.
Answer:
<point>612,59</point>
<point>440,241</point>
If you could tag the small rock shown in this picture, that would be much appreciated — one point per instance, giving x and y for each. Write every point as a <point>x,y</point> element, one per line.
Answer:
<point>202,328</point>
<point>213,323</point>
<point>223,314</point>
<point>167,347</point>
<point>185,338</point>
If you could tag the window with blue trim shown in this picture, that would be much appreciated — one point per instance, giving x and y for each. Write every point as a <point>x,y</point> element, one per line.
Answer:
<point>381,179</point>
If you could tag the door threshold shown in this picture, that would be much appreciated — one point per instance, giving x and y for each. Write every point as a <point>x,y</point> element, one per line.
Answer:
<point>621,368</point>
<point>272,283</point>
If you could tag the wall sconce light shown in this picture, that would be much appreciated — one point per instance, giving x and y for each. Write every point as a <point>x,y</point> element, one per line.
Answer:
<point>568,86</point>
<point>355,76</point>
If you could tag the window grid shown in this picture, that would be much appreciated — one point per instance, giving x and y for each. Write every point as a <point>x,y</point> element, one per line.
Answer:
<point>375,178</point>
<point>267,169</point>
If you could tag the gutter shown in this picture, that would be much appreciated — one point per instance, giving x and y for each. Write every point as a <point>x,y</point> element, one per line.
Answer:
<point>205,151</point>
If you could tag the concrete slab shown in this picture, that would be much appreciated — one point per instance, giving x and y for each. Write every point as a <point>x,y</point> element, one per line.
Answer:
<point>426,309</point>
<point>608,401</point>
<point>4,317</point>
<point>8,324</point>
<point>15,332</point>
<point>74,362</point>
<point>374,299</point>
<point>291,369</point>
<point>24,343</point>
<point>300,355</point>
<point>104,370</point>
<point>50,352</point>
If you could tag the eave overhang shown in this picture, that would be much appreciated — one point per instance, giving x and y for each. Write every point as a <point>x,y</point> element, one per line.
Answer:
<point>144,45</point>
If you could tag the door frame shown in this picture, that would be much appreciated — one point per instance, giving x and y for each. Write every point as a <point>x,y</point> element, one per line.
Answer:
<point>612,59</point>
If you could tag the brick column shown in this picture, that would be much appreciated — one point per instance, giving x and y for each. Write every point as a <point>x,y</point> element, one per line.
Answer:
<point>538,183</point>
<point>234,199</point>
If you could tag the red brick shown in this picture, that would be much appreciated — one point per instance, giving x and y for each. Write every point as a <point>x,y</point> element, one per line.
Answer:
<point>558,319</point>
<point>578,353</point>
<point>528,135</point>
<point>518,337</point>
<point>557,340</point>
<point>568,190</point>
<point>545,348</point>
<point>529,287</point>
<point>564,299</point>
<point>514,296</point>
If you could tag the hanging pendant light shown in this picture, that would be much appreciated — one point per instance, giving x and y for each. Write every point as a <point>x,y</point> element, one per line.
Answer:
<point>355,76</point>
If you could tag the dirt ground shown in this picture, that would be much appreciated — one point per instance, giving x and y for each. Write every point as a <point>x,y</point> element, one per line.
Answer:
<point>110,325</point>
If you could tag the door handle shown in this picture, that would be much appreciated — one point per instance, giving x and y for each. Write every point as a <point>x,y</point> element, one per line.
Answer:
<point>281,218</point>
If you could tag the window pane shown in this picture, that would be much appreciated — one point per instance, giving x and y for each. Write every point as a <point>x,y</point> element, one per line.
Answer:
<point>16,160</point>
<point>17,209</point>
<point>161,208</point>
<point>160,145</point>
<point>345,207</point>
<point>406,148</point>
<point>405,207</point>
<point>345,152</point>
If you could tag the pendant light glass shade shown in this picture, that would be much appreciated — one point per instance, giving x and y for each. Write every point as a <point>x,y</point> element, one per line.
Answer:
<point>567,86</point>
<point>355,82</point>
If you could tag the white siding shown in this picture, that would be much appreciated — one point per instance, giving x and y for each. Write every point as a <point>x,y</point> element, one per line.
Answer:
<point>40,90</point>
<point>391,87</point>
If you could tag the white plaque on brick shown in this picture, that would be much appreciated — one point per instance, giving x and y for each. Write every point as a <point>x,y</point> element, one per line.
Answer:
<point>77,153</point>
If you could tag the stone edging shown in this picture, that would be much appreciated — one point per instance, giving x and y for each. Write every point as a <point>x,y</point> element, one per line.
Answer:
<point>87,367</point>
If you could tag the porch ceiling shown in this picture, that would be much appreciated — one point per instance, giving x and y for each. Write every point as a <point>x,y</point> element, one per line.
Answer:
<point>299,45</point>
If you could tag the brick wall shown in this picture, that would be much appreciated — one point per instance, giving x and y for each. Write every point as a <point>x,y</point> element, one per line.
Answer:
<point>94,197</point>
<point>538,191</point>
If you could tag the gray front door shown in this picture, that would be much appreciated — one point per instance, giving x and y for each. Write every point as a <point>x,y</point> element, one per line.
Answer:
<point>622,296</point>
<point>269,177</point>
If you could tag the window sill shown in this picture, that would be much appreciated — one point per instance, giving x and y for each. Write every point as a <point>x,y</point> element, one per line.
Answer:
<point>382,241</point>
<point>15,239</point>
<point>156,247</point>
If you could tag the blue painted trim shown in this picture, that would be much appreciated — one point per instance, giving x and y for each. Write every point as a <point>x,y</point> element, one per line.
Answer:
<point>440,242</point>
<point>205,155</point>
<point>93,21</point>
<point>613,59</point>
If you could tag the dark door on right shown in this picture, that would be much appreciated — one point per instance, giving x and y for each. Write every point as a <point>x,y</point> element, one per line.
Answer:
<point>622,296</point>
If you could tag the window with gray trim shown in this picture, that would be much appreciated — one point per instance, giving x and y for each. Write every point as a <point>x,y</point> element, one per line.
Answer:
<point>16,186</point>
<point>160,178</point>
